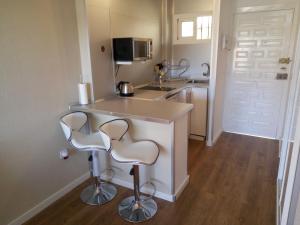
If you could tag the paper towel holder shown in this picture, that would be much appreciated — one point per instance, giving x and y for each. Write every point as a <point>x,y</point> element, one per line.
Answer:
<point>83,96</point>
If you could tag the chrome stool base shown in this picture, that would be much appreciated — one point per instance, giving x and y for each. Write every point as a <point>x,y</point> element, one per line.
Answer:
<point>93,195</point>
<point>137,211</point>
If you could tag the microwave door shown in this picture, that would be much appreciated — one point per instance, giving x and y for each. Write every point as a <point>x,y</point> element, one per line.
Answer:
<point>140,50</point>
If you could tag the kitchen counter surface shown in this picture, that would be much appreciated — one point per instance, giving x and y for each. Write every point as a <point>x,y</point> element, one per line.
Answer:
<point>146,105</point>
<point>161,95</point>
<point>154,111</point>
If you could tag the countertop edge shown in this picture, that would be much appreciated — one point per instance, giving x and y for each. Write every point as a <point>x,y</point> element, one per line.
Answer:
<point>178,89</point>
<point>139,117</point>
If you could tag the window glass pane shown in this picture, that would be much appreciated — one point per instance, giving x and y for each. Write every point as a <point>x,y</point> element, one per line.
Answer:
<point>187,29</point>
<point>204,27</point>
<point>205,33</point>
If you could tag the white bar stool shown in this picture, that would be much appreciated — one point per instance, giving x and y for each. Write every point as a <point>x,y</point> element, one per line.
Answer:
<point>135,208</point>
<point>100,192</point>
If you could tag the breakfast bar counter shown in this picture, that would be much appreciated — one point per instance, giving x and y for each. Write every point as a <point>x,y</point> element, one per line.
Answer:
<point>155,111</point>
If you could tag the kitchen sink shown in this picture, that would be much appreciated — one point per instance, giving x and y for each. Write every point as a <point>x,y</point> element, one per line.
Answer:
<point>157,88</point>
<point>198,82</point>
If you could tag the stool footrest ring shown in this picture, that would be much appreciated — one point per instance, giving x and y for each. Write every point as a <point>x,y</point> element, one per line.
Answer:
<point>153,193</point>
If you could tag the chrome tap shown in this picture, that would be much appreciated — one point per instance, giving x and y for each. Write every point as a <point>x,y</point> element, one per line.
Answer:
<point>207,73</point>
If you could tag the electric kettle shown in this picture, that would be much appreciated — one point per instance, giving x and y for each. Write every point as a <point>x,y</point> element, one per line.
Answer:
<point>125,88</point>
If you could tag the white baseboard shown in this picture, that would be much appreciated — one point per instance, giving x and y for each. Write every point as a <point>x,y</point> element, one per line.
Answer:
<point>181,188</point>
<point>215,139</point>
<point>252,135</point>
<point>197,137</point>
<point>158,194</point>
<point>48,201</point>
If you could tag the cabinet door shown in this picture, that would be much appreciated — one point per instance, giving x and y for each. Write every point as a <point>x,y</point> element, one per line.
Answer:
<point>199,112</point>
<point>182,96</point>
<point>173,99</point>
<point>179,97</point>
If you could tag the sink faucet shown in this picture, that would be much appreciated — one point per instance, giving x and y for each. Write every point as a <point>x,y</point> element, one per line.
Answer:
<point>207,73</point>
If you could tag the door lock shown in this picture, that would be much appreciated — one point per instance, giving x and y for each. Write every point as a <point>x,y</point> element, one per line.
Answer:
<point>284,60</point>
<point>282,76</point>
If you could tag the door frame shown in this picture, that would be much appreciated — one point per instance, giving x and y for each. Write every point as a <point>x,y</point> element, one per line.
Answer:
<point>215,34</point>
<point>282,176</point>
<point>273,7</point>
<point>291,177</point>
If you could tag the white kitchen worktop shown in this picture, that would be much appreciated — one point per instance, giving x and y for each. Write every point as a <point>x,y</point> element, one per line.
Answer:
<point>143,104</point>
<point>155,111</point>
<point>161,95</point>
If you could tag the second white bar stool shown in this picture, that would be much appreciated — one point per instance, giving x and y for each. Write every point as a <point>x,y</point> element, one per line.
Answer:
<point>135,208</point>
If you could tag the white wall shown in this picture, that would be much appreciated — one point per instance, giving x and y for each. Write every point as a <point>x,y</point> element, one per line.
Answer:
<point>192,6</point>
<point>195,53</point>
<point>98,23</point>
<point>136,18</point>
<point>99,36</point>
<point>39,72</point>
<point>223,64</point>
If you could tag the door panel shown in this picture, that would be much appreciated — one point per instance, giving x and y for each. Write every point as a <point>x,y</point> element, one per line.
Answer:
<point>254,101</point>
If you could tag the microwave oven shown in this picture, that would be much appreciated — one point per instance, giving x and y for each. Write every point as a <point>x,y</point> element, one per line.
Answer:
<point>127,50</point>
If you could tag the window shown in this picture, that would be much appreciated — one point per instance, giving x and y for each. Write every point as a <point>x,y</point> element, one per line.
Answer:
<point>204,27</point>
<point>189,29</point>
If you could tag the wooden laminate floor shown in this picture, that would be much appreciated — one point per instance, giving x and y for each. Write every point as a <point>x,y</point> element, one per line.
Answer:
<point>232,183</point>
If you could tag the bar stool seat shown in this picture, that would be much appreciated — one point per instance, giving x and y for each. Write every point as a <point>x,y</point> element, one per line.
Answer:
<point>141,152</point>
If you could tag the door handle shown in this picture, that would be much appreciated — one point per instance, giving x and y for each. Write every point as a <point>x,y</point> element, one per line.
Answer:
<point>284,60</point>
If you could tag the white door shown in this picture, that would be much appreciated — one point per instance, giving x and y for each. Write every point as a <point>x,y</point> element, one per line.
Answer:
<point>255,98</point>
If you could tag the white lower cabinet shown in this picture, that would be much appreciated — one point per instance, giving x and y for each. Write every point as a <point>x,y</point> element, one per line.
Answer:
<point>198,118</point>
<point>183,95</point>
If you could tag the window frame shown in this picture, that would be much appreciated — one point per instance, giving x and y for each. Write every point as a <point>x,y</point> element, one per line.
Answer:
<point>179,18</point>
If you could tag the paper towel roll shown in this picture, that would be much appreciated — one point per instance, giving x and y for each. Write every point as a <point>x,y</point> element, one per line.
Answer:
<point>83,93</point>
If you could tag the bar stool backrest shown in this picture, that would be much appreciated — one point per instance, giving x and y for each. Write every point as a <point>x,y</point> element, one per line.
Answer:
<point>113,130</point>
<point>72,122</point>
